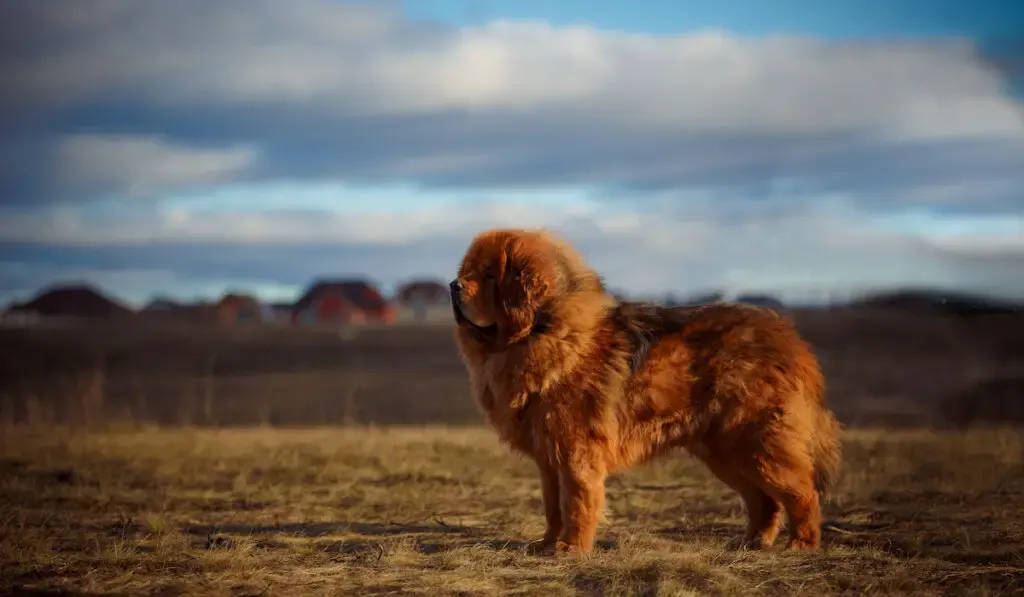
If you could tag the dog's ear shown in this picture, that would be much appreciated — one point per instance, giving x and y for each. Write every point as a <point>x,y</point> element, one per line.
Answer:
<point>519,287</point>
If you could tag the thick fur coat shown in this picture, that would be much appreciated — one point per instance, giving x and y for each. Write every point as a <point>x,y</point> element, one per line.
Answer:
<point>586,385</point>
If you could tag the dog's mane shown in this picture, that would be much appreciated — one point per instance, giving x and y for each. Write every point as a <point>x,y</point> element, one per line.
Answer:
<point>585,307</point>
<point>582,301</point>
<point>577,275</point>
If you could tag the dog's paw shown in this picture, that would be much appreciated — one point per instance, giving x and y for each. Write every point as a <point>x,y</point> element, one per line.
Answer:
<point>747,544</point>
<point>801,544</point>
<point>562,547</point>
<point>541,547</point>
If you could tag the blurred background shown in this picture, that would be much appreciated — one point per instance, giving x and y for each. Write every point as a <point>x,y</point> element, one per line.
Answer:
<point>245,213</point>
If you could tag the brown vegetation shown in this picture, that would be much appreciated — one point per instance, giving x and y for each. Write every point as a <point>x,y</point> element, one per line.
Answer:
<point>434,511</point>
<point>255,375</point>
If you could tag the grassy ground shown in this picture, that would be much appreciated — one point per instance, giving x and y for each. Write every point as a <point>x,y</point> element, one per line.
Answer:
<point>434,511</point>
<point>884,368</point>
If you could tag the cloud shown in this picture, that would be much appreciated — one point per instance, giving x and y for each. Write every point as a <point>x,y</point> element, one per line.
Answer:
<point>143,165</point>
<point>325,90</point>
<point>832,249</point>
<point>358,60</point>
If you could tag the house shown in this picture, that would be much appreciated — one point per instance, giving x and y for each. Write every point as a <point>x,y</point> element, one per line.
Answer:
<point>161,309</point>
<point>424,299</point>
<point>282,312</point>
<point>235,308</point>
<point>74,301</point>
<point>699,299</point>
<point>159,304</point>
<point>761,300</point>
<point>343,302</point>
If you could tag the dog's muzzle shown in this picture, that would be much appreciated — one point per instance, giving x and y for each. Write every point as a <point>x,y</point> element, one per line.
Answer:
<point>455,288</point>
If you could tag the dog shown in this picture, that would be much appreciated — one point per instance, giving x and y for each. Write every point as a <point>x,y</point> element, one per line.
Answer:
<point>586,385</point>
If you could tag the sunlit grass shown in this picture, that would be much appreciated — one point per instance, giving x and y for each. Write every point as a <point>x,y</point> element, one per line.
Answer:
<point>449,511</point>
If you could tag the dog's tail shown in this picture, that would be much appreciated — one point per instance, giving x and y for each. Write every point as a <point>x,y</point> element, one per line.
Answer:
<point>827,451</point>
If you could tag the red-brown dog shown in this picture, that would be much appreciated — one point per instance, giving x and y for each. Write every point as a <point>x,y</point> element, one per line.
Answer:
<point>586,385</point>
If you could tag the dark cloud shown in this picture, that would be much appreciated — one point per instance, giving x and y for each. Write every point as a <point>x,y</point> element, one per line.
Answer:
<point>459,151</point>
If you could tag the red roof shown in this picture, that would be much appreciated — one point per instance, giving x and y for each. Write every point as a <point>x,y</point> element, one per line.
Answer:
<point>428,290</point>
<point>235,299</point>
<point>358,292</point>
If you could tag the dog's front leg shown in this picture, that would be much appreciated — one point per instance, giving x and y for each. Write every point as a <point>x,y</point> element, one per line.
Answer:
<point>581,500</point>
<point>552,507</point>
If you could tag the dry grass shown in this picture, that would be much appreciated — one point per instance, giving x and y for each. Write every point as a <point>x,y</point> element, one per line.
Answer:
<point>439,511</point>
<point>888,369</point>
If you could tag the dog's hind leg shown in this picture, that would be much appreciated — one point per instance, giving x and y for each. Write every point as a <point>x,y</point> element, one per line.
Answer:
<point>782,467</point>
<point>764,513</point>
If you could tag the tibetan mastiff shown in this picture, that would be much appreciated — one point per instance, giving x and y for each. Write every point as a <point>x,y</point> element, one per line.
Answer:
<point>587,385</point>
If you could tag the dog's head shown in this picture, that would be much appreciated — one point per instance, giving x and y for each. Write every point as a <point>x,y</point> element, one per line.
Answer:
<point>509,280</point>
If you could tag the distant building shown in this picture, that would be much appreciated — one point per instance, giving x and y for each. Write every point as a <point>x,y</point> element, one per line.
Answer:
<point>166,310</point>
<point>761,300</point>
<point>161,309</point>
<point>701,299</point>
<point>197,312</point>
<point>424,297</point>
<point>161,305</point>
<point>235,308</point>
<point>329,308</point>
<point>282,312</point>
<point>342,302</point>
<point>70,302</point>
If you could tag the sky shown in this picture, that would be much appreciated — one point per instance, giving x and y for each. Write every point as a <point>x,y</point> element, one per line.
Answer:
<point>807,149</point>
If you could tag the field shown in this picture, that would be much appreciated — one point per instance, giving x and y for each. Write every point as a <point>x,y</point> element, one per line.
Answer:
<point>437,511</point>
<point>883,368</point>
<point>137,460</point>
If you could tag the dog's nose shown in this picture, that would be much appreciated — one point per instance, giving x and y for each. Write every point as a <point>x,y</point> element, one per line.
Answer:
<point>455,286</point>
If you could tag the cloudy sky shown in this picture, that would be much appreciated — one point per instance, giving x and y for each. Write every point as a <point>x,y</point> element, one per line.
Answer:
<point>183,148</point>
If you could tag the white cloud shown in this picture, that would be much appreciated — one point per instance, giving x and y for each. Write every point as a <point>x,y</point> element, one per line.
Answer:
<point>135,165</point>
<point>72,226</point>
<point>358,59</point>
